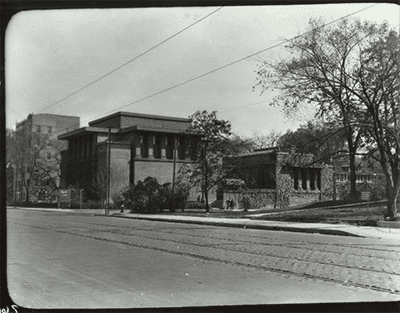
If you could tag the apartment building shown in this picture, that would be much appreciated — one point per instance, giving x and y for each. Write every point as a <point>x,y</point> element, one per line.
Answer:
<point>37,129</point>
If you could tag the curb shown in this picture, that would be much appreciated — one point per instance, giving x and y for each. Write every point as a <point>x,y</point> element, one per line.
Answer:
<point>389,224</point>
<point>249,226</point>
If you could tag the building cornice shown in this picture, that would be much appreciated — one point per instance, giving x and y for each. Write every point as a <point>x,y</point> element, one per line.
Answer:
<point>149,116</point>
<point>83,130</point>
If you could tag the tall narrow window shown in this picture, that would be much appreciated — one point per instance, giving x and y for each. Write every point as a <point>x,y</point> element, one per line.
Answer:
<point>157,147</point>
<point>312,179</point>
<point>170,148</point>
<point>144,147</point>
<point>38,129</point>
<point>304,179</point>
<point>49,129</point>
<point>181,148</point>
<point>296,178</point>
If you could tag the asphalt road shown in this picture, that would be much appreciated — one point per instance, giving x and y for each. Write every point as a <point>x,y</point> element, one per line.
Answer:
<point>73,260</point>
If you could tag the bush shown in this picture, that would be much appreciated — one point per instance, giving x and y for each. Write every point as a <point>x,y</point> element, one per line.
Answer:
<point>151,197</point>
<point>117,200</point>
<point>90,204</point>
<point>245,203</point>
<point>194,205</point>
<point>173,199</point>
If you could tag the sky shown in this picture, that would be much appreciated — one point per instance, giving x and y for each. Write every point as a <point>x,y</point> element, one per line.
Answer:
<point>51,54</point>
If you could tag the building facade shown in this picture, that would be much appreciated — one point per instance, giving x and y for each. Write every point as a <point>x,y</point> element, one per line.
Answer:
<point>368,178</point>
<point>273,178</point>
<point>140,146</point>
<point>36,137</point>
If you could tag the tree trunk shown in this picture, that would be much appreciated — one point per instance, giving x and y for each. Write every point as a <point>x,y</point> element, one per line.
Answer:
<point>352,165</point>
<point>393,197</point>
<point>206,196</point>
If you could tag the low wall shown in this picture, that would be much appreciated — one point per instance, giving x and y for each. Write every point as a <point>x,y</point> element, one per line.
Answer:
<point>259,198</point>
<point>304,197</point>
<point>266,199</point>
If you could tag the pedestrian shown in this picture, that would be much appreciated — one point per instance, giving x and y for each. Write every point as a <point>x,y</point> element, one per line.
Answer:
<point>226,207</point>
<point>122,208</point>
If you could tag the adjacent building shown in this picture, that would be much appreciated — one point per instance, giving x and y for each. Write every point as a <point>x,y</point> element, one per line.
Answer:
<point>39,129</point>
<point>368,178</point>
<point>139,146</point>
<point>275,178</point>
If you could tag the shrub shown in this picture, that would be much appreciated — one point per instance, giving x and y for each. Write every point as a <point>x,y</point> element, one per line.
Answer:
<point>245,203</point>
<point>173,199</point>
<point>91,204</point>
<point>143,197</point>
<point>195,205</point>
<point>151,197</point>
<point>117,200</point>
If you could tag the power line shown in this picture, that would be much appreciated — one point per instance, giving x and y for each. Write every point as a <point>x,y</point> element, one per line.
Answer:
<point>130,61</point>
<point>234,62</point>
<point>237,61</point>
<point>243,106</point>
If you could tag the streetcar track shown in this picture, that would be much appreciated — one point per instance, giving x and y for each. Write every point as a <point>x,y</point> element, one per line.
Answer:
<point>208,258</point>
<point>305,244</point>
<point>250,252</point>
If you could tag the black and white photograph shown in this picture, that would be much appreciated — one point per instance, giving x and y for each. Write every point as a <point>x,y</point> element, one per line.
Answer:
<point>217,157</point>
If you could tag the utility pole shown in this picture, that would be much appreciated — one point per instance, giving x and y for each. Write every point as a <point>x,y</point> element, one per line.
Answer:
<point>173,175</point>
<point>108,169</point>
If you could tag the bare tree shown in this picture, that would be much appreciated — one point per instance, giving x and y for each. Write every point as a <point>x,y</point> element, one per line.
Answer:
<point>99,185</point>
<point>261,141</point>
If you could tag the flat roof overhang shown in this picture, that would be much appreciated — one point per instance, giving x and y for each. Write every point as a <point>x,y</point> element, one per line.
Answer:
<point>83,130</point>
<point>148,116</point>
<point>155,130</point>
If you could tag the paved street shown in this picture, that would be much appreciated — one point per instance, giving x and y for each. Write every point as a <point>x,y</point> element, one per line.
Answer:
<point>73,260</point>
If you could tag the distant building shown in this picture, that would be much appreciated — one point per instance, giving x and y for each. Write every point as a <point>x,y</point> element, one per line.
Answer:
<point>274,178</point>
<point>342,172</point>
<point>141,145</point>
<point>49,125</point>
<point>366,177</point>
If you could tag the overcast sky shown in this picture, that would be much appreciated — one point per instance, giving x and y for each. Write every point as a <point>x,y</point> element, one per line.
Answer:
<point>52,54</point>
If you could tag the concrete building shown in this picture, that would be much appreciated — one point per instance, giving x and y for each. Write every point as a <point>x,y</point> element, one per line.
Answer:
<point>275,178</point>
<point>46,126</point>
<point>140,145</point>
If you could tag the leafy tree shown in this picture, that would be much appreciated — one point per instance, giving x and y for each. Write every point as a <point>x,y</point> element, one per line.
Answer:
<point>349,71</point>
<point>379,93</point>
<point>208,169</point>
<point>148,196</point>
<point>322,141</point>
<point>236,145</point>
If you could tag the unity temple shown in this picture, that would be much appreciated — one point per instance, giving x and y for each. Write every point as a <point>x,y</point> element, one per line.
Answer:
<point>140,145</point>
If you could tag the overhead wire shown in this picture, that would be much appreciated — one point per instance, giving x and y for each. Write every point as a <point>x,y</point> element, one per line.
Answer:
<point>130,61</point>
<point>234,62</point>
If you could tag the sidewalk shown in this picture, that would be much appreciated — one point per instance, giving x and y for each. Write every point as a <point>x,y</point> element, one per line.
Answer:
<point>328,229</point>
<point>320,228</point>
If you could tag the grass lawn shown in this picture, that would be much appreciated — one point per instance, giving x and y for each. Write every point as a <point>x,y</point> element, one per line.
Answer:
<point>357,215</point>
<point>321,212</point>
